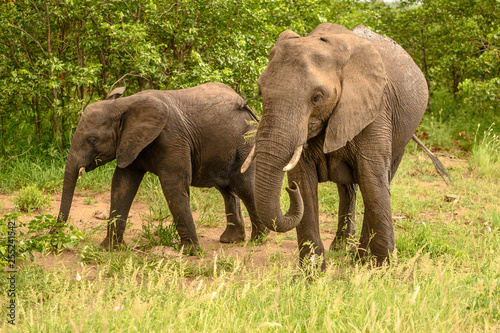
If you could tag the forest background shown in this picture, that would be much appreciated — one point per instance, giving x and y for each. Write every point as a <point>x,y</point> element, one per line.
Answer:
<point>56,57</point>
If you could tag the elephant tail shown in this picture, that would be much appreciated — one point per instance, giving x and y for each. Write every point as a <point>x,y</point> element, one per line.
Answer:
<point>249,110</point>
<point>437,163</point>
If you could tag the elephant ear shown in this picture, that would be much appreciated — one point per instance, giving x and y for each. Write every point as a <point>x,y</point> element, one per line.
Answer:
<point>144,119</point>
<point>287,34</point>
<point>115,93</point>
<point>363,80</point>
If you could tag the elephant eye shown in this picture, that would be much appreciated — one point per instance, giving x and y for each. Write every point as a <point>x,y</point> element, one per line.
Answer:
<point>316,98</point>
<point>92,141</point>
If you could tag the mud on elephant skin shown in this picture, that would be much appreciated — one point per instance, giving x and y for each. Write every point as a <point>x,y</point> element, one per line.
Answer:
<point>190,137</point>
<point>338,105</point>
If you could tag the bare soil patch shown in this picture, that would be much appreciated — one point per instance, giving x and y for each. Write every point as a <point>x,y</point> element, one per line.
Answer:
<point>89,217</point>
<point>90,209</point>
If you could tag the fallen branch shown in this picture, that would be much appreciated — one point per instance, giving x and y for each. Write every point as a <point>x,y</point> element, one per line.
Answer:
<point>12,157</point>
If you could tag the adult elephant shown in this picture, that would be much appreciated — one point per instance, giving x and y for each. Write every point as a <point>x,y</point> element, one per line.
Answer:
<point>190,137</point>
<point>338,105</point>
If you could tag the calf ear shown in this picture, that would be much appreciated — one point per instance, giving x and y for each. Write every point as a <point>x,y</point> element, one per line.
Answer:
<point>116,93</point>
<point>144,119</point>
<point>363,80</point>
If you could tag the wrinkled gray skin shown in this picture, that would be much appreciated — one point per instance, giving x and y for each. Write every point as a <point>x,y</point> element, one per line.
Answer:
<point>190,137</point>
<point>353,100</point>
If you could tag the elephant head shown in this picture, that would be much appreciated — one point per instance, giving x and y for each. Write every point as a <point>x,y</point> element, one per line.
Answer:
<point>330,82</point>
<point>114,128</point>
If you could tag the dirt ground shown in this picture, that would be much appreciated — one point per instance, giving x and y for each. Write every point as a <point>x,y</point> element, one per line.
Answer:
<point>92,216</point>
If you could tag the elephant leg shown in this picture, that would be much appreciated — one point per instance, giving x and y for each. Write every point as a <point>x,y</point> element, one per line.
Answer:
<point>245,190</point>
<point>123,190</point>
<point>365,232</point>
<point>395,165</point>
<point>177,196</point>
<point>308,236</point>
<point>235,228</point>
<point>346,220</point>
<point>377,233</point>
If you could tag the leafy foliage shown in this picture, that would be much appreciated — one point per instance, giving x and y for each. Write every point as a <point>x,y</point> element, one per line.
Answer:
<point>33,236</point>
<point>456,43</point>
<point>57,57</point>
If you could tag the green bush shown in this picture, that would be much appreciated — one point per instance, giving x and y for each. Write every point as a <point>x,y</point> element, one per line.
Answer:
<point>34,236</point>
<point>30,199</point>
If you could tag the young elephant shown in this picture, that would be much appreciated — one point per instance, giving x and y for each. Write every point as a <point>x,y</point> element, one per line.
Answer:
<point>190,137</point>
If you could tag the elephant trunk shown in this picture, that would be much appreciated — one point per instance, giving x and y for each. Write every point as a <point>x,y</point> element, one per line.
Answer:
<point>71,174</point>
<point>272,157</point>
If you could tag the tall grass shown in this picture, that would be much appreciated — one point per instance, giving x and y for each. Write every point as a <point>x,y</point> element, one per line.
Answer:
<point>47,173</point>
<point>446,278</point>
<point>485,154</point>
<point>418,295</point>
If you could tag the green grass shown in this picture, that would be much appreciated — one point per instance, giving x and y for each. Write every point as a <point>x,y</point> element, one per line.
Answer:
<point>447,276</point>
<point>485,154</point>
<point>48,174</point>
<point>453,126</point>
<point>130,293</point>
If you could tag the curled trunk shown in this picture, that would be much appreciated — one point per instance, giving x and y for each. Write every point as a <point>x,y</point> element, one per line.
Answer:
<point>269,175</point>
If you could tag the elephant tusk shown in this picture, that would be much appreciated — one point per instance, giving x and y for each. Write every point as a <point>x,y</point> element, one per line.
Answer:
<point>248,161</point>
<point>80,172</point>
<point>295,159</point>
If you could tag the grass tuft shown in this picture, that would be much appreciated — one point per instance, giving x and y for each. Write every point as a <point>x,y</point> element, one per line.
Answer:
<point>485,154</point>
<point>30,199</point>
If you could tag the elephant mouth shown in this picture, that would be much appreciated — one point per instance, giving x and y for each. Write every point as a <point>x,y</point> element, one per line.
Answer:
<point>80,172</point>
<point>94,163</point>
<point>87,167</point>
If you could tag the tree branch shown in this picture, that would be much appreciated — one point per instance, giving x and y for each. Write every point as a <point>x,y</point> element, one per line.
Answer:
<point>128,74</point>
<point>12,157</point>
<point>32,38</point>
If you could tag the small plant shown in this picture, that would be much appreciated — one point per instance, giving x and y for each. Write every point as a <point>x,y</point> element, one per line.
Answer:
<point>89,200</point>
<point>33,236</point>
<point>157,234</point>
<point>92,254</point>
<point>30,199</point>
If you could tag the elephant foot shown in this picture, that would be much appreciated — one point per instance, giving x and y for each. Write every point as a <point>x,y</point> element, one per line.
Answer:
<point>312,264</point>
<point>111,244</point>
<point>232,235</point>
<point>259,233</point>
<point>364,256</point>
<point>54,230</point>
<point>190,249</point>
<point>340,243</point>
